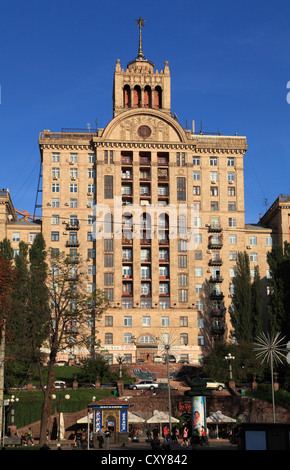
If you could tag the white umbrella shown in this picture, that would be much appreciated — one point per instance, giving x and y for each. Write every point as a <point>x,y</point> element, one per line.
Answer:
<point>134,418</point>
<point>84,420</point>
<point>218,418</point>
<point>61,426</point>
<point>160,417</point>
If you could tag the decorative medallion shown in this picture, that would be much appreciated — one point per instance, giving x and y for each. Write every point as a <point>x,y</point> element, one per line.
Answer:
<point>144,131</point>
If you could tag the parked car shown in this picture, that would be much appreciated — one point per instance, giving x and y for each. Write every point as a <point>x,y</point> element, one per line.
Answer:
<point>214,385</point>
<point>157,359</point>
<point>61,363</point>
<point>165,387</point>
<point>59,384</point>
<point>144,385</point>
<point>170,357</point>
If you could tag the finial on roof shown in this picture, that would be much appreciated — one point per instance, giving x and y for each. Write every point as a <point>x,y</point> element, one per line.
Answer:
<point>140,23</point>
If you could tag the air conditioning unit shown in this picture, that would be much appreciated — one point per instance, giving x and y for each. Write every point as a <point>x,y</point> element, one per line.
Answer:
<point>54,178</point>
<point>48,204</point>
<point>249,247</point>
<point>65,232</point>
<point>73,178</point>
<point>230,182</point>
<point>208,251</point>
<point>66,204</point>
<point>207,225</point>
<point>71,163</point>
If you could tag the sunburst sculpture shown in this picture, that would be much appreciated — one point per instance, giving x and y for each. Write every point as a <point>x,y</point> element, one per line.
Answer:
<point>271,349</point>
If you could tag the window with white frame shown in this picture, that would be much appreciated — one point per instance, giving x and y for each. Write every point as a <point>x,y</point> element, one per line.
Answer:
<point>232,239</point>
<point>253,241</point>
<point>146,321</point>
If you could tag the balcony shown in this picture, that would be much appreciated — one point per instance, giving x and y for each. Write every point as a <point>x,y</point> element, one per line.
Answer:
<point>216,295</point>
<point>214,228</point>
<point>215,262</point>
<point>215,243</point>
<point>218,330</point>
<point>72,225</point>
<point>145,161</point>
<point>72,243</point>
<point>127,161</point>
<point>218,312</point>
<point>216,279</point>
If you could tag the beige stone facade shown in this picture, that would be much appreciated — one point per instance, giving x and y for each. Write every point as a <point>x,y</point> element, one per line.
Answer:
<point>166,266</point>
<point>16,226</point>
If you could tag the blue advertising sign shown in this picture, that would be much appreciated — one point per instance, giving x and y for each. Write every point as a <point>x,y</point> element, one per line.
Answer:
<point>123,427</point>
<point>98,420</point>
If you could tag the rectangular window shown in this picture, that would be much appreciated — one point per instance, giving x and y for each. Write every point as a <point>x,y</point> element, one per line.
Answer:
<point>55,157</point>
<point>232,222</point>
<point>108,244</point>
<point>54,236</point>
<point>108,260</point>
<point>196,176</point>
<point>233,255</point>
<point>182,261</point>
<point>231,206</point>
<point>109,293</point>
<point>231,176</point>
<point>196,190</point>
<point>183,321</point>
<point>198,254</point>
<point>108,279</point>
<point>91,173</point>
<point>92,270</point>
<point>108,187</point>
<point>232,239</point>
<point>146,321</point>
<point>182,280</point>
<point>91,188</point>
<point>165,321</point>
<point>231,161</point>
<point>254,257</point>
<point>127,320</point>
<point>91,253</point>
<point>196,161</point>
<point>182,245</point>
<point>198,272</point>
<point>231,191</point>
<point>55,219</point>
<point>253,241</point>
<point>182,295</point>
<point>16,236</point>
<point>214,191</point>
<point>214,176</point>
<point>108,320</point>
<point>55,172</point>
<point>91,158</point>
<point>73,188</point>
<point>55,202</point>
<point>55,187</point>
<point>73,158</point>
<point>199,305</point>
<point>268,241</point>
<point>214,206</point>
<point>198,288</point>
<point>213,161</point>
<point>181,189</point>
<point>73,203</point>
<point>73,172</point>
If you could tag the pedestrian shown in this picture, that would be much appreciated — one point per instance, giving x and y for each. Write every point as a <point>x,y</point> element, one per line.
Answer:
<point>107,436</point>
<point>166,433</point>
<point>185,436</point>
<point>101,437</point>
<point>78,440</point>
<point>28,437</point>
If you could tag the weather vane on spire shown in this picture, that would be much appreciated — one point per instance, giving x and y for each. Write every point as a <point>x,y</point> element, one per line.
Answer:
<point>140,23</point>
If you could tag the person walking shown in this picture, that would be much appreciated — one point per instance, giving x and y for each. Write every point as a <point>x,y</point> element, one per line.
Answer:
<point>107,436</point>
<point>29,437</point>
<point>185,436</point>
<point>101,437</point>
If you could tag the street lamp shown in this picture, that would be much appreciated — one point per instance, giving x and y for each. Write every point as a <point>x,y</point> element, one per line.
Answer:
<point>230,359</point>
<point>120,359</point>
<point>9,402</point>
<point>67,397</point>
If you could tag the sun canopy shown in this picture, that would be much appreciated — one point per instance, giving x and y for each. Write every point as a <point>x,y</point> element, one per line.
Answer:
<point>219,417</point>
<point>161,417</point>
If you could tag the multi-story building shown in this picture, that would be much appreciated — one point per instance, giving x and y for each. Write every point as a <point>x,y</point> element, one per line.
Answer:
<point>157,212</point>
<point>13,227</point>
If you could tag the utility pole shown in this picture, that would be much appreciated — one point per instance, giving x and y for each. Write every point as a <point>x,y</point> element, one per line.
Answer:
<point>2,360</point>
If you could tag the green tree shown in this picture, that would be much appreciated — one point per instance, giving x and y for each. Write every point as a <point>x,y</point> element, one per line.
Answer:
<point>241,305</point>
<point>257,304</point>
<point>279,306</point>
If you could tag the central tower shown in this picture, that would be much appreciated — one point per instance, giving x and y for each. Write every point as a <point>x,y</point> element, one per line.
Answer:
<point>139,86</point>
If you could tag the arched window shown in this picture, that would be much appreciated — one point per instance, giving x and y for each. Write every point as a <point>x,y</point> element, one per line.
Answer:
<point>158,98</point>
<point>137,97</point>
<point>147,97</point>
<point>147,340</point>
<point>127,96</point>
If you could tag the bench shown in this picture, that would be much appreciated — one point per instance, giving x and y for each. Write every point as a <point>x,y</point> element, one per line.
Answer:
<point>12,441</point>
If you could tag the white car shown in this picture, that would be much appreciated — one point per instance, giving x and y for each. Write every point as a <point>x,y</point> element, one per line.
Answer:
<point>214,385</point>
<point>144,385</point>
<point>59,384</point>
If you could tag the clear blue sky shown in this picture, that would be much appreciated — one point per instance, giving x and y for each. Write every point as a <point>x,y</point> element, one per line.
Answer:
<point>229,62</point>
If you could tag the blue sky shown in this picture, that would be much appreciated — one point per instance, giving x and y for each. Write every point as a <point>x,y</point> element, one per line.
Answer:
<point>229,63</point>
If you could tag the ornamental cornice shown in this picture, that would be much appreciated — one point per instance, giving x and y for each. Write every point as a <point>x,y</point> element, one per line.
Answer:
<point>148,145</point>
<point>59,146</point>
<point>220,151</point>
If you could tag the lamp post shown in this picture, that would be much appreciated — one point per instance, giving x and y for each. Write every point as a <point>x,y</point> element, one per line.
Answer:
<point>230,359</point>
<point>67,397</point>
<point>9,402</point>
<point>167,348</point>
<point>120,359</point>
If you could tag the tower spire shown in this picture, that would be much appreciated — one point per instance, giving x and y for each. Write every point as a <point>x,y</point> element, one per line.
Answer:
<point>140,23</point>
